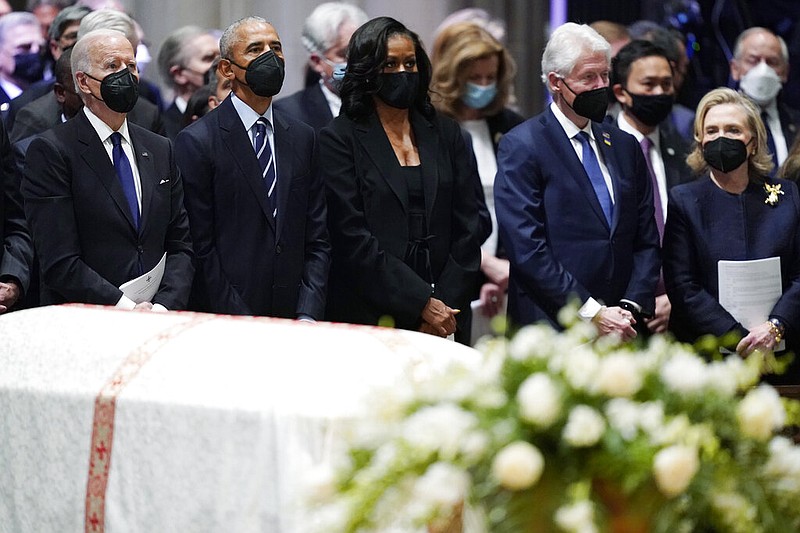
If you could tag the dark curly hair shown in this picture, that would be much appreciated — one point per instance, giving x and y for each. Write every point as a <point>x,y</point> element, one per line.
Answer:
<point>366,56</point>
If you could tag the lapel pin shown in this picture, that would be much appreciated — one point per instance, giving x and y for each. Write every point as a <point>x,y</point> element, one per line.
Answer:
<point>607,138</point>
<point>145,154</point>
<point>671,151</point>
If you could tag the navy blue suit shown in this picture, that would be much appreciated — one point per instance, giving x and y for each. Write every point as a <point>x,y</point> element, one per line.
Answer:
<point>705,225</point>
<point>249,263</point>
<point>556,236</point>
<point>83,230</point>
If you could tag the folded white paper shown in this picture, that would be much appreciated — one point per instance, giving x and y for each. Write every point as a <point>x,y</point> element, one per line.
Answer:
<point>143,288</point>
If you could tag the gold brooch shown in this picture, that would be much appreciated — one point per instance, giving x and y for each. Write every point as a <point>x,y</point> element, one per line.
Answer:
<point>772,193</point>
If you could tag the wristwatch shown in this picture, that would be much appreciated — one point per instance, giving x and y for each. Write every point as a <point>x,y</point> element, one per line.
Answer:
<point>777,329</point>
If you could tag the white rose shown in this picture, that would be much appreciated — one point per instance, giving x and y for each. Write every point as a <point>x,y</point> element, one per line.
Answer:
<point>674,468</point>
<point>580,367</point>
<point>584,427</point>
<point>518,466</point>
<point>442,486</point>
<point>619,375</point>
<point>576,518</point>
<point>760,413</point>
<point>439,428</point>
<point>531,341</point>
<point>723,378</point>
<point>623,416</point>
<point>684,372</point>
<point>539,400</point>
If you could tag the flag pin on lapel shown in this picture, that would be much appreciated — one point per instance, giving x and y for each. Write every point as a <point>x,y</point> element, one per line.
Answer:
<point>145,154</point>
<point>607,138</point>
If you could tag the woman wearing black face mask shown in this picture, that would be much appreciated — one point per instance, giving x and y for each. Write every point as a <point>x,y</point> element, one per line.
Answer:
<point>737,213</point>
<point>402,223</point>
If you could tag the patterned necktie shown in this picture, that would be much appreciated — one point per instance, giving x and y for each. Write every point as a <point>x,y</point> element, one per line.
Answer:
<point>592,167</point>
<point>770,143</point>
<point>267,163</point>
<point>646,144</point>
<point>125,174</point>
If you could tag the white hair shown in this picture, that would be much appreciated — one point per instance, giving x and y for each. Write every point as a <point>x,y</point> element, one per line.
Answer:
<point>109,19</point>
<point>737,49</point>
<point>81,58</point>
<point>321,28</point>
<point>568,43</point>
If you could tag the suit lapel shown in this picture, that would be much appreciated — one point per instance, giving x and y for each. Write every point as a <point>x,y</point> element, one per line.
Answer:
<point>147,175</point>
<point>96,158</point>
<point>428,146</point>
<point>564,152</point>
<point>376,144</point>
<point>238,143</point>
<point>603,140</point>
<point>284,157</point>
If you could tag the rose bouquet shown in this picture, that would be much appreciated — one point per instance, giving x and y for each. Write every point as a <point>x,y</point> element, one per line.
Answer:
<point>569,432</point>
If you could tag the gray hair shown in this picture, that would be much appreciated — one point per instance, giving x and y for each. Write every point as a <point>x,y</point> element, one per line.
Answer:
<point>64,18</point>
<point>229,35</point>
<point>737,48</point>
<point>81,60</point>
<point>568,43</point>
<point>321,28</point>
<point>173,50</point>
<point>17,18</point>
<point>109,19</point>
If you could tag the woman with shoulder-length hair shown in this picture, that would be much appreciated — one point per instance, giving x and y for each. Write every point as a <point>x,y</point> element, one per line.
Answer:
<point>736,213</point>
<point>403,230</point>
<point>472,82</point>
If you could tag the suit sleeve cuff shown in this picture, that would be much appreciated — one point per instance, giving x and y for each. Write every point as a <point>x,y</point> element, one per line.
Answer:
<point>158,308</point>
<point>589,309</point>
<point>125,303</point>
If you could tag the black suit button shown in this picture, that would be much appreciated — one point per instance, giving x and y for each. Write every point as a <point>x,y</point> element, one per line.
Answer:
<point>140,249</point>
<point>278,249</point>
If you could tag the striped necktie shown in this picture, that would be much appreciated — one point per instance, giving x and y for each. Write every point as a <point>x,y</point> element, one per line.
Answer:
<point>267,163</point>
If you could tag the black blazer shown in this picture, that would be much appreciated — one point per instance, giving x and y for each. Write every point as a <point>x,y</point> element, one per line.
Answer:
<point>367,217</point>
<point>16,252</point>
<point>83,230</point>
<point>307,105</point>
<point>674,149</point>
<point>249,263</point>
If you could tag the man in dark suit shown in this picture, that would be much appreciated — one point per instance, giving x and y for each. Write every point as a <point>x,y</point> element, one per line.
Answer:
<point>642,83</point>
<point>326,34</point>
<point>574,201</point>
<point>253,192</point>
<point>104,197</point>
<point>20,60</point>
<point>760,66</point>
<point>16,252</point>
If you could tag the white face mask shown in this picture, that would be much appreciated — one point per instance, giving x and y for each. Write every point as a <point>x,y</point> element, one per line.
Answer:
<point>761,83</point>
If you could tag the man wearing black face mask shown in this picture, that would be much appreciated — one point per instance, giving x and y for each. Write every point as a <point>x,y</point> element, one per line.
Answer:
<point>20,58</point>
<point>253,193</point>
<point>641,79</point>
<point>574,202</point>
<point>104,197</point>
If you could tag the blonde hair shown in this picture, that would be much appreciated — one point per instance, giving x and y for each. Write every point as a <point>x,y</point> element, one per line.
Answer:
<point>454,51</point>
<point>760,163</point>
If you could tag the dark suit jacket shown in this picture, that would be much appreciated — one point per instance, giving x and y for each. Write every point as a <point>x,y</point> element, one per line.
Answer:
<point>706,225</point>
<point>557,238</point>
<point>368,220</point>
<point>173,121</point>
<point>44,113</point>
<point>790,121</point>
<point>249,263</point>
<point>16,252</point>
<point>36,90</point>
<point>85,238</point>
<point>307,105</point>
<point>674,149</point>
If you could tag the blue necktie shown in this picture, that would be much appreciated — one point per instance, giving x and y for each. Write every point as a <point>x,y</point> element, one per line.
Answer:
<point>592,167</point>
<point>267,163</point>
<point>125,175</point>
<point>770,143</point>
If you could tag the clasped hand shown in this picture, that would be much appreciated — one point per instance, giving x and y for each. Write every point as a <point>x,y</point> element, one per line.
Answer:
<point>438,319</point>
<point>615,320</point>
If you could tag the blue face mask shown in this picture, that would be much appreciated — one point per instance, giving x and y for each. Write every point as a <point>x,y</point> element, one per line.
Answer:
<point>479,96</point>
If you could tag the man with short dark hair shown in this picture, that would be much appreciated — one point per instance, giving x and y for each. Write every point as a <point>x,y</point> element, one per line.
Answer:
<point>253,191</point>
<point>20,59</point>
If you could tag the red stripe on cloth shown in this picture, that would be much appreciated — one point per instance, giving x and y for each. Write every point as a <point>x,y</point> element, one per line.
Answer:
<point>103,423</point>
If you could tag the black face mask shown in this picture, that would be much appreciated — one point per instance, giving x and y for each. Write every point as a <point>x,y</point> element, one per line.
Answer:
<point>651,109</point>
<point>590,104</point>
<point>398,89</point>
<point>28,68</point>
<point>725,154</point>
<point>119,90</point>
<point>264,75</point>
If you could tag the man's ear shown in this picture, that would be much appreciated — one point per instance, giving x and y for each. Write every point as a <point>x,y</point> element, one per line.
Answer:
<point>552,82</point>
<point>736,74</point>
<point>315,62</point>
<point>619,92</point>
<point>59,92</point>
<point>225,69</point>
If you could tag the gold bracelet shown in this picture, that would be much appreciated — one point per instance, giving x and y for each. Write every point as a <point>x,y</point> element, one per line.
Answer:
<point>775,331</point>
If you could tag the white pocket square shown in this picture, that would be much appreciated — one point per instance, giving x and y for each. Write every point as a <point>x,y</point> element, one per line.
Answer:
<point>162,182</point>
